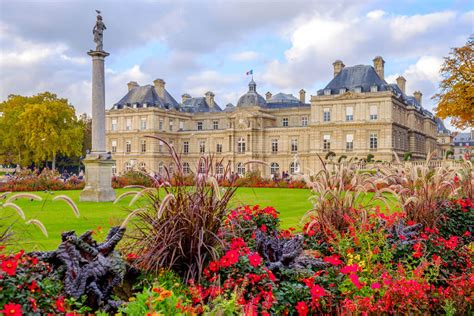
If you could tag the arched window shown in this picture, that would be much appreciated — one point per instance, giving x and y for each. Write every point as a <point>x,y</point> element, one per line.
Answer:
<point>128,166</point>
<point>219,169</point>
<point>274,168</point>
<point>294,167</point>
<point>241,145</point>
<point>186,168</point>
<point>160,168</point>
<point>240,169</point>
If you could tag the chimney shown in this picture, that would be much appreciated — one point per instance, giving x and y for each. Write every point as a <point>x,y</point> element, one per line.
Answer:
<point>418,95</point>
<point>338,66</point>
<point>210,98</point>
<point>302,96</point>
<point>185,97</point>
<point>131,85</point>
<point>379,66</point>
<point>268,95</point>
<point>401,83</point>
<point>160,87</point>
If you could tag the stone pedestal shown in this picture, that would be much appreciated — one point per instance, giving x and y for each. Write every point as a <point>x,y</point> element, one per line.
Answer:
<point>98,178</point>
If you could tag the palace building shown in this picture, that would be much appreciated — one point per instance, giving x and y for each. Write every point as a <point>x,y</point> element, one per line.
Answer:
<point>356,114</point>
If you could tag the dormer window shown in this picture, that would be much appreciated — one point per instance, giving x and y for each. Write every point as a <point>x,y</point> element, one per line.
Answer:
<point>342,90</point>
<point>358,89</point>
<point>374,88</point>
<point>327,92</point>
<point>145,105</point>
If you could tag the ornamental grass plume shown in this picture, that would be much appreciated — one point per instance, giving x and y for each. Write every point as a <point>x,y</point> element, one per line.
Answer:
<point>179,225</point>
<point>336,191</point>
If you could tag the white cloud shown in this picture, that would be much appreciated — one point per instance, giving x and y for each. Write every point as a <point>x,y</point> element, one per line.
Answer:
<point>403,28</point>
<point>247,55</point>
<point>376,14</point>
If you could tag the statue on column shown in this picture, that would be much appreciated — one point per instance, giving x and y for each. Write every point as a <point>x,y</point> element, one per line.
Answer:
<point>98,32</point>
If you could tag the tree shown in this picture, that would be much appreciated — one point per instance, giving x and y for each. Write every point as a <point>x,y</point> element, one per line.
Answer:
<point>40,127</point>
<point>456,96</point>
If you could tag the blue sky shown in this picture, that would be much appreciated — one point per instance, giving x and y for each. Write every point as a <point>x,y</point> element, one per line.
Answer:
<point>197,46</point>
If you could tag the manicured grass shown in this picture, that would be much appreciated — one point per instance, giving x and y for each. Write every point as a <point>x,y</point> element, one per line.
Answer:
<point>57,216</point>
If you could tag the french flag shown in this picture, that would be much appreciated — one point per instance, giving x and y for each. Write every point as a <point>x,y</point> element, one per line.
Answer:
<point>250,72</point>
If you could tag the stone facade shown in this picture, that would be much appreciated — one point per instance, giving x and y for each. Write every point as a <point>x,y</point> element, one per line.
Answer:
<point>356,114</point>
<point>463,145</point>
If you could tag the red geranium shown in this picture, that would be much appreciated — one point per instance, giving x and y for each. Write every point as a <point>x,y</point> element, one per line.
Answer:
<point>9,266</point>
<point>60,304</point>
<point>334,260</point>
<point>33,287</point>
<point>12,309</point>
<point>230,258</point>
<point>302,308</point>
<point>255,259</point>
<point>317,292</point>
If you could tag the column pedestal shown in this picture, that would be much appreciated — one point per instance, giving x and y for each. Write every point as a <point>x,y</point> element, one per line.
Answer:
<point>98,178</point>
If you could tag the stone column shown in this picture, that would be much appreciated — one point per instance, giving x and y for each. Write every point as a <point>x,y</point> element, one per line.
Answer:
<point>98,163</point>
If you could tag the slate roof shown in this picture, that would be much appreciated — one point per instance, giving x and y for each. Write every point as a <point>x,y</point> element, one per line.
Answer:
<point>463,139</point>
<point>284,100</point>
<point>252,98</point>
<point>440,126</point>
<point>362,76</point>
<point>194,105</point>
<point>139,96</point>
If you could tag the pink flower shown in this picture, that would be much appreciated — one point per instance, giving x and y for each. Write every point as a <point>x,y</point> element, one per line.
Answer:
<point>355,280</point>
<point>334,260</point>
<point>376,285</point>
<point>350,269</point>
<point>317,292</point>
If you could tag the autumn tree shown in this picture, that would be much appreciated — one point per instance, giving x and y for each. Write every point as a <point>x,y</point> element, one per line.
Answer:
<point>38,128</point>
<point>456,96</point>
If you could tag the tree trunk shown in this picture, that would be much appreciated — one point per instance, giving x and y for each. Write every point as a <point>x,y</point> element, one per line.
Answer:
<point>53,166</point>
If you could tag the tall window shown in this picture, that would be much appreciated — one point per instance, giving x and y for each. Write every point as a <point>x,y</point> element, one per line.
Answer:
<point>326,142</point>
<point>114,146</point>
<point>274,168</point>
<point>349,113</point>
<point>202,166</point>
<point>202,146</point>
<point>128,166</point>
<point>114,125</point>
<point>373,141</point>
<point>199,126</point>
<point>128,146</point>
<point>186,168</point>
<point>186,147</point>
<point>160,146</point>
<point>294,167</point>
<point>161,124</point>
<point>171,124</point>
<point>294,145</point>
<point>240,169</point>
<point>128,124</point>
<point>181,125</point>
<point>171,168</point>
<point>143,146</point>
<point>143,123</point>
<point>326,114</point>
<point>241,145</point>
<point>219,168</point>
<point>284,121</point>
<point>304,121</point>
<point>219,148</point>
<point>274,145</point>
<point>349,142</point>
<point>215,124</point>
<point>160,168</point>
<point>373,112</point>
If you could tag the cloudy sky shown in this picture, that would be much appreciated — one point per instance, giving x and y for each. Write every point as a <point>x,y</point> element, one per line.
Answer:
<point>196,46</point>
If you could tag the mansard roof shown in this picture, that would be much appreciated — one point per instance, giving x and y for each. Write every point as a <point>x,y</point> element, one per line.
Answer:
<point>284,100</point>
<point>349,78</point>
<point>194,105</point>
<point>146,96</point>
<point>440,126</point>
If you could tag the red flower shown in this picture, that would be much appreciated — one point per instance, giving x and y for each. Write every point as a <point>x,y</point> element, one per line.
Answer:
<point>214,266</point>
<point>255,259</point>
<point>317,292</point>
<point>376,285</point>
<point>310,233</point>
<point>230,258</point>
<point>302,308</point>
<point>9,266</point>
<point>33,287</point>
<point>334,260</point>
<point>60,304</point>
<point>355,280</point>
<point>33,304</point>
<point>350,269</point>
<point>132,256</point>
<point>12,309</point>
<point>263,228</point>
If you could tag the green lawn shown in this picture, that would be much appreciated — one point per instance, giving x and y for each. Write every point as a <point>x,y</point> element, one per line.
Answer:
<point>57,216</point>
